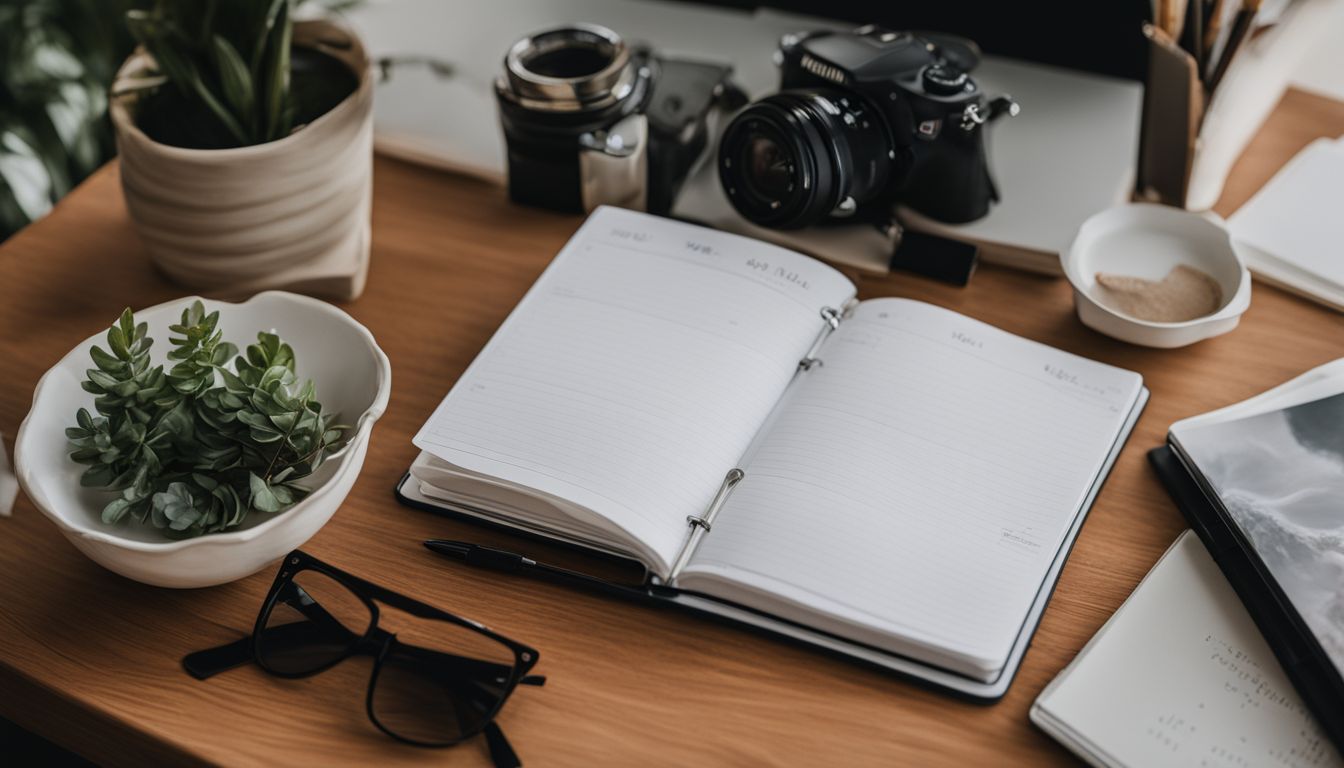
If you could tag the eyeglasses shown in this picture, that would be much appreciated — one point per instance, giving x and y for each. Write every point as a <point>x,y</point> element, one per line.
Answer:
<point>438,681</point>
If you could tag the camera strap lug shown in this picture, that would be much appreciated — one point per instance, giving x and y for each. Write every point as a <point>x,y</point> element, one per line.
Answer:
<point>974,115</point>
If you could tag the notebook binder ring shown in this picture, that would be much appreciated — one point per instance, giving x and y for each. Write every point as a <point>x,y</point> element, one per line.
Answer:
<point>701,525</point>
<point>832,317</point>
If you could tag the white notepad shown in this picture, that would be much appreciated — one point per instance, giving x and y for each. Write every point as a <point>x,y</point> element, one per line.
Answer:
<point>1291,232</point>
<point>1180,676</point>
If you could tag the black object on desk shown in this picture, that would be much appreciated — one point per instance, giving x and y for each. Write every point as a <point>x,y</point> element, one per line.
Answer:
<point>1299,652</point>
<point>491,559</point>
<point>437,682</point>
<point>941,258</point>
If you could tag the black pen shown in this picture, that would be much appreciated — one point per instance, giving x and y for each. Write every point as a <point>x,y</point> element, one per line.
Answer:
<point>492,559</point>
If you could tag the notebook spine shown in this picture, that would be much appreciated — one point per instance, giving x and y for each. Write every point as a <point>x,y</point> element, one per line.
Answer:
<point>832,317</point>
<point>703,523</point>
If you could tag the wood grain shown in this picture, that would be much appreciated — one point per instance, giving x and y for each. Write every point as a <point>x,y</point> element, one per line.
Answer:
<point>90,660</point>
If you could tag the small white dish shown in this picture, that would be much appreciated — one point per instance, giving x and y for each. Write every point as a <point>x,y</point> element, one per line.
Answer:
<point>353,379</point>
<point>1148,241</point>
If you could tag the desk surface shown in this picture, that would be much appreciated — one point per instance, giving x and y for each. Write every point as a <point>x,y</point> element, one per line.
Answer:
<point>91,660</point>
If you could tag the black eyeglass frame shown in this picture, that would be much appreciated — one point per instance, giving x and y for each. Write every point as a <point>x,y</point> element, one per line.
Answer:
<point>296,562</point>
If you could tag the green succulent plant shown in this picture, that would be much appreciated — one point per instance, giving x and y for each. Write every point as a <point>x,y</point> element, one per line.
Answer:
<point>195,448</point>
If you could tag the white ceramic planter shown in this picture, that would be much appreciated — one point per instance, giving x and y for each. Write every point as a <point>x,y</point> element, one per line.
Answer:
<point>291,213</point>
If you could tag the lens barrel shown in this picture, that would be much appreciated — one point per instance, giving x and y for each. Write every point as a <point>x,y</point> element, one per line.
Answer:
<point>578,68</point>
<point>799,156</point>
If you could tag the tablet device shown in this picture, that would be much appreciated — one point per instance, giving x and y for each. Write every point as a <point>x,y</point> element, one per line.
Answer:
<point>1262,483</point>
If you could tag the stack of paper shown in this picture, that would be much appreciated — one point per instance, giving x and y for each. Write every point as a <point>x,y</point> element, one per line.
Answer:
<point>1180,676</point>
<point>1291,234</point>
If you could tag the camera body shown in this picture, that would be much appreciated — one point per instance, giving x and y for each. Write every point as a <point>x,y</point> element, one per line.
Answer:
<point>864,120</point>
<point>590,121</point>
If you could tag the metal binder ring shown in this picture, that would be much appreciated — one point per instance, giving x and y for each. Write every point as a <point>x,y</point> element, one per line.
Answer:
<point>831,316</point>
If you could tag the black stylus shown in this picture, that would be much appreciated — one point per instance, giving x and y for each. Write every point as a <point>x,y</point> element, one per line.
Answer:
<point>492,559</point>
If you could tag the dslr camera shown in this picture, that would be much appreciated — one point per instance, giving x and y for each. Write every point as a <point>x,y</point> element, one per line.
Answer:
<point>864,120</point>
<point>589,120</point>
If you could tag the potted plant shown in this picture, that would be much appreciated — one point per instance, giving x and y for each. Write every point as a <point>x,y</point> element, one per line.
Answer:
<point>246,143</point>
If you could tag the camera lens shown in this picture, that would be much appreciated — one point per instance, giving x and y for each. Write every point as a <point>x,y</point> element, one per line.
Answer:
<point>579,68</point>
<point>569,62</point>
<point>796,157</point>
<point>768,168</point>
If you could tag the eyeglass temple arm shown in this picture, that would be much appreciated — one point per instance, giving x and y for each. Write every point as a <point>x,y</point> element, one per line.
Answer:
<point>501,751</point>
<point>212,661</point>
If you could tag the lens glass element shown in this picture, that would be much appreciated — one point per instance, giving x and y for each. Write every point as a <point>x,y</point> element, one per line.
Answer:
<point>768,168</point>
<point>314,621</point>
<point>439,682</point>
<point>796,157</point>
<point>577,59</point>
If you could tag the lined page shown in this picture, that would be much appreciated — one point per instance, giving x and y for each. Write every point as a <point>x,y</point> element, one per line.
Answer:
<point>919,483</point>
<point>636,371</point>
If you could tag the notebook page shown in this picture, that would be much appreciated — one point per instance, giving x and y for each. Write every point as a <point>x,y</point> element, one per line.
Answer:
<point>1180,676</point>
<point>920,481</point>
<point>636,370</point>
<point>1295,217</point>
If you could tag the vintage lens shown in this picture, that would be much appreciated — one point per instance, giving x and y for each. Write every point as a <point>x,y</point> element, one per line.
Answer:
<point>793,158</point>
<point>314,622</point>
<point>578,68</point>
<point>439,682</point>
<point>569,61</point>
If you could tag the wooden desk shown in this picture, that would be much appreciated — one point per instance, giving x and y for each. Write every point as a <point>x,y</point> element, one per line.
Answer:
<point>90,660</point>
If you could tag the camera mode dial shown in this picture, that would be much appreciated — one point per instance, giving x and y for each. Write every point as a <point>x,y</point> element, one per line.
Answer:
<point>941,80</point>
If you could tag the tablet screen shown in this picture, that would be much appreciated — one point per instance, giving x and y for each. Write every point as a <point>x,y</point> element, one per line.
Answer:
<point>1280,476</point>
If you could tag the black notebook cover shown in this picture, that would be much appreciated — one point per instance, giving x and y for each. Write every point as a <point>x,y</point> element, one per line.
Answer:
<point>1303,658</point>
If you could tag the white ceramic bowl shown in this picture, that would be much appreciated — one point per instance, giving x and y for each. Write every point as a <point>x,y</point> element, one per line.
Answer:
<point>353,379</point>
<point>1146,240</point>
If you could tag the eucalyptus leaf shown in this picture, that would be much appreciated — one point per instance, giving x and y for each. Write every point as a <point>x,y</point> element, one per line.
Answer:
<point>263,498</point>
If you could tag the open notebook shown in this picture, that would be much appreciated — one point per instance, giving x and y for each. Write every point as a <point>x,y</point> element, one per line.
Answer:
<point>913,477</point>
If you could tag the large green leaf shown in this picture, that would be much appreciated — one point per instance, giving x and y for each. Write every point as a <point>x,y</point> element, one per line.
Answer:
<point>57,59</point>
<point>236,80</point>
<point>25,176</point>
